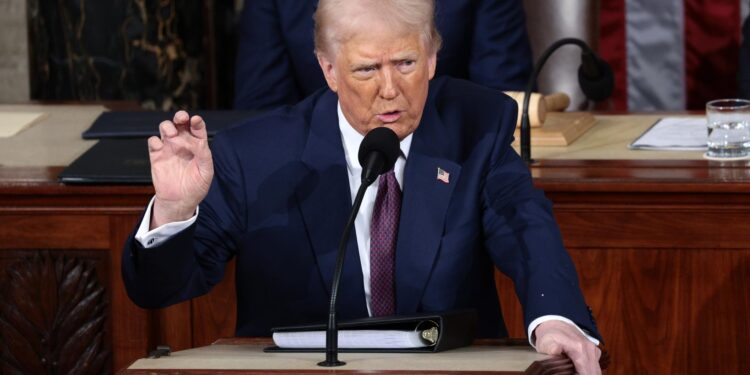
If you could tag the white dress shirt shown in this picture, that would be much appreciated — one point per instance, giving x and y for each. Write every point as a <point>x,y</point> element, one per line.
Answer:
<point>351,140</point>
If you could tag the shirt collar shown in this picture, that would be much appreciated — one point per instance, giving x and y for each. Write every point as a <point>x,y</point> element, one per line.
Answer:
<point>352,140</point>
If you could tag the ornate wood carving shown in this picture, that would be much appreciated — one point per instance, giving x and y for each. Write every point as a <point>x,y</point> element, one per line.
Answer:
<point>53,317</point>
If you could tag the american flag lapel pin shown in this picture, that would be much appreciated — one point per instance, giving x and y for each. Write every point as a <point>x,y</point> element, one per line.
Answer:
<point>443,176</point>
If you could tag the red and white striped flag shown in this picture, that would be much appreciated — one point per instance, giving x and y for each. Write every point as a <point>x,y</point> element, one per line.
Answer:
<point>671,54</point>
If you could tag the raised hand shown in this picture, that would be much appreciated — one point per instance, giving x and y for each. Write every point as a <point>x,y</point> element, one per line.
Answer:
<point>556,337</point>
<point>181,168</point>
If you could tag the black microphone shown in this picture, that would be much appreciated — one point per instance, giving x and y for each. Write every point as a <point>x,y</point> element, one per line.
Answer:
<point>377,154</point>
<point>594,76</point>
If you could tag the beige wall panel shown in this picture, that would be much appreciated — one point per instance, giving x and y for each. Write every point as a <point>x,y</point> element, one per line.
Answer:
<point>14,51</point>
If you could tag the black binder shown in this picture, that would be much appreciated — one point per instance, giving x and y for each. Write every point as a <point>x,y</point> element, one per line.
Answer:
<point>111,161</point>
<point>143,124</point>
<point>456,329</point>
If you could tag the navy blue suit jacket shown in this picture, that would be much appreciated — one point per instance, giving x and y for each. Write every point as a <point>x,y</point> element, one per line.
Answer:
<point>484,41</point>
<point>280,198</point>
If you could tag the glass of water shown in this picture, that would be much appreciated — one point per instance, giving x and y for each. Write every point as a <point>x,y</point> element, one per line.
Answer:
<point>728,128</point>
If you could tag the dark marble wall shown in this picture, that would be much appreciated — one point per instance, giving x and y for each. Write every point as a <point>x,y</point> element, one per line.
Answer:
<point>161,53</point>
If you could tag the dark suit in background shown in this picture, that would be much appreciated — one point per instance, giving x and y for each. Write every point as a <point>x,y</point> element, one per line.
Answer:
<point>744,74</point>
<point>280,211</point>
<point>484,41</point>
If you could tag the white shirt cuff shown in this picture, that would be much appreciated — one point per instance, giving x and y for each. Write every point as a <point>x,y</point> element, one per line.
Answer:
<point>153,238</point>
<point>536,322</point>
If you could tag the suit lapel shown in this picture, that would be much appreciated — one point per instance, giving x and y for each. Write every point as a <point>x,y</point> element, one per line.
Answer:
<point>325,201</point>
<point>423,209</point>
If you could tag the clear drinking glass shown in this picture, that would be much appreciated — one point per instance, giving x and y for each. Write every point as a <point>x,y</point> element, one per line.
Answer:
<point>728,128</point>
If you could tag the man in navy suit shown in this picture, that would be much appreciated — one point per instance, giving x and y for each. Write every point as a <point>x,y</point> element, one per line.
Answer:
<point>276,191</point>
<point>484,41</point>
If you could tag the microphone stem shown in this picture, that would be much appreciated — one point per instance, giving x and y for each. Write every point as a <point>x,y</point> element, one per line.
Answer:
<point>525,125</point>
<point>332,338</point>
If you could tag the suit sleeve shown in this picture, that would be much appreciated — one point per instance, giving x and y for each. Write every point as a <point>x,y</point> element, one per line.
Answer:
<point>192,261</point>
<point>524,240</point>
<point>500,53</point>
<point>264,76</point>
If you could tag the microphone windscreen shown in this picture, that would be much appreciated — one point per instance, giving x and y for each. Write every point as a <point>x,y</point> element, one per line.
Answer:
<point>384,141</point>
<point>598,83</point>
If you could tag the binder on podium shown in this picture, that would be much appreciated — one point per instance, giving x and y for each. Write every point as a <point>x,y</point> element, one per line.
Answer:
<point>437,332</point>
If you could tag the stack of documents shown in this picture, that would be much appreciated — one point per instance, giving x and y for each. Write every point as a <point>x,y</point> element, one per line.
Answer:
<point>674,133</point>
<point>357,339</point>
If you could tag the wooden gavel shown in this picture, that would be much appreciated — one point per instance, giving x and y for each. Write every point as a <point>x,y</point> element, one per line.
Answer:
<point>539,105</point>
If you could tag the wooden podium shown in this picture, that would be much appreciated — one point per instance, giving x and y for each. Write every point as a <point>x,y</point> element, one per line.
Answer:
<point>246,356</point>
<point>660,241</point>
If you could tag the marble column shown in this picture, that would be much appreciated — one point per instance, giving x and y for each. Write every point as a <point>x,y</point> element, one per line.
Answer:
<point>14,52</point>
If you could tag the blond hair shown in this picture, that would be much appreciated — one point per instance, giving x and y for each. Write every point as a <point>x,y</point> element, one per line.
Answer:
<point>409,15</point>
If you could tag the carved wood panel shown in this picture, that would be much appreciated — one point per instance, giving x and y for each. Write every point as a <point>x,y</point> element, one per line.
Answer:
<point>54,312</point>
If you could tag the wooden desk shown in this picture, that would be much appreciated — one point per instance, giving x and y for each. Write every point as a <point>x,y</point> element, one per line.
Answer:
<point>246,356</point>
<point>662,248</point>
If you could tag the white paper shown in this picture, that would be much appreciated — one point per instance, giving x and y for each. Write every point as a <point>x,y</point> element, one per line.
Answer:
<point>674,133</point>
<point>12,123</point>
<point>351,339</point>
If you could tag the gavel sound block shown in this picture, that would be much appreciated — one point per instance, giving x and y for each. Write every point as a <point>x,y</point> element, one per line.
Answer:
<point>549,125</point>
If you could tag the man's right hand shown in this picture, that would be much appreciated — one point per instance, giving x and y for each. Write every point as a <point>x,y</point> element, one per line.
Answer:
<point>181,168</point>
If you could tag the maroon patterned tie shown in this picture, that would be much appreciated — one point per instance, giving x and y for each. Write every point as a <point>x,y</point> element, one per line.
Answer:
<point>383,234</point>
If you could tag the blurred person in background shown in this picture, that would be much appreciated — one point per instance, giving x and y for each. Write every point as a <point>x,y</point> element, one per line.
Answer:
<point>484,41</point>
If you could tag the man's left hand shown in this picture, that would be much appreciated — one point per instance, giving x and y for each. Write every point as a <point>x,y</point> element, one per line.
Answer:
<point>556,337</point>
